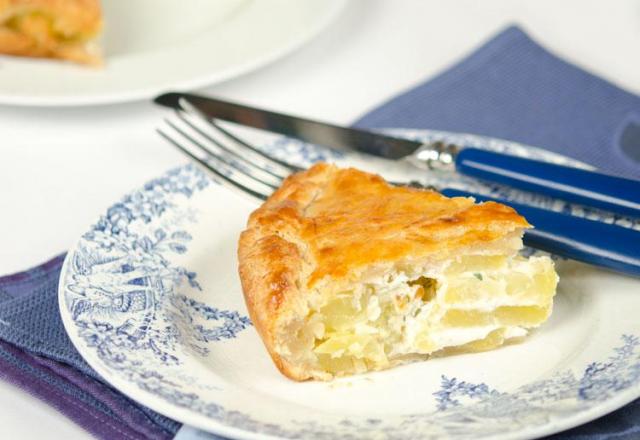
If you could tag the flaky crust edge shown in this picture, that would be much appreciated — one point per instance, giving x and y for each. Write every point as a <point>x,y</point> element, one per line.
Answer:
<point>271,265</point>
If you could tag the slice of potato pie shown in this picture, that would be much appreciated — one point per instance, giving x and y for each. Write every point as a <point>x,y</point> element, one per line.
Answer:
<point>63,29</point>
<point>343,273</point>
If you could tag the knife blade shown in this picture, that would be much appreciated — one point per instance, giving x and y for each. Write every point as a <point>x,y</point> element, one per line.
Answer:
<point>329,135</point>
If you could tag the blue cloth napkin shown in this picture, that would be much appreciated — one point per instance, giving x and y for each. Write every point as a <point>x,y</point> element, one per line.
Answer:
<point>512,88</point>
<point>37,355</point>
<point>509,88</point>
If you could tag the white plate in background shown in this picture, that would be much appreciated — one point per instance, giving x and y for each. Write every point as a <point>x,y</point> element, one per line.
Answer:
<point>156,45</point>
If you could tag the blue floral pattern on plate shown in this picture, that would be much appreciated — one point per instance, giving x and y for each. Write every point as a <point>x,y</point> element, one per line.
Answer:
<point>136,312</point>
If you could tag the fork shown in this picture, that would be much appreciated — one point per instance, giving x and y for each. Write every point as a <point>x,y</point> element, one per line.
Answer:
<point>241,167</point>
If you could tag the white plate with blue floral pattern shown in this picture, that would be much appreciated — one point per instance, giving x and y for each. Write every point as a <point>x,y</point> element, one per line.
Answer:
<point>150,297</point>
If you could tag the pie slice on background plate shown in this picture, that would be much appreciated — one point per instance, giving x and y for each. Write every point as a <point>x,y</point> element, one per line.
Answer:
<point>343,273</point>
<point>62,29</point>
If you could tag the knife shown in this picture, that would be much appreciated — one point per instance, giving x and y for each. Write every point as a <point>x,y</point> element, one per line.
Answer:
<point>603,191</point>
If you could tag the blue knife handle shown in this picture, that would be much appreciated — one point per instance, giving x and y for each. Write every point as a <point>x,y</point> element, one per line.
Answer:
<point>589,188</point>
<point>589,241</point>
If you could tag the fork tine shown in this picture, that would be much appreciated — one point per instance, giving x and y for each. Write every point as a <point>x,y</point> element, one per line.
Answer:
<point>262,177</point>
<point>219,177</point>
<point>245,144</point>
<point>263,169</point>
<point>248,149</point>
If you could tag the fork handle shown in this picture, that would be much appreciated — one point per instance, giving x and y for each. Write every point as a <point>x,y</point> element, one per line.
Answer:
<point>589,241</point>
<point>590,188</point>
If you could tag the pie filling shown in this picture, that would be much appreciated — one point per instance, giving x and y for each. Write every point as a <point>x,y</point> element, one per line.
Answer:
<point>36,32</point>
<point>40,26</point>
<point>475,303</point>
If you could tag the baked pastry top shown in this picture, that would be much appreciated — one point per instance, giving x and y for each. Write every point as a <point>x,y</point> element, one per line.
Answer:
<point>63,29</point>
<point>343,273</point>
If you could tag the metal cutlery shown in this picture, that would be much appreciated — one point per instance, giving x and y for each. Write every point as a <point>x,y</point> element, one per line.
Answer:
<point>579,186</point>
<point>241,167</point>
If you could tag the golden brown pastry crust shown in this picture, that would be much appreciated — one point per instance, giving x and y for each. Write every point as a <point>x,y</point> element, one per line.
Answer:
<point>328,223</point>
<point>50,29</point>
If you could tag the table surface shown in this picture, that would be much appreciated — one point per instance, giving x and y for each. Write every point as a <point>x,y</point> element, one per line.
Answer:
<point>57,165</point>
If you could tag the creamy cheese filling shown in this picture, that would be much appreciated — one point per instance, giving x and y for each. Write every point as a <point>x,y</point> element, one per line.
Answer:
<point>473,303</point>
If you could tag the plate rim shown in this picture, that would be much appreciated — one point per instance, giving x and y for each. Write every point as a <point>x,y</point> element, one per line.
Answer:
<point>332,9</point>
<point>201,421</point>
<point>152,401</point>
